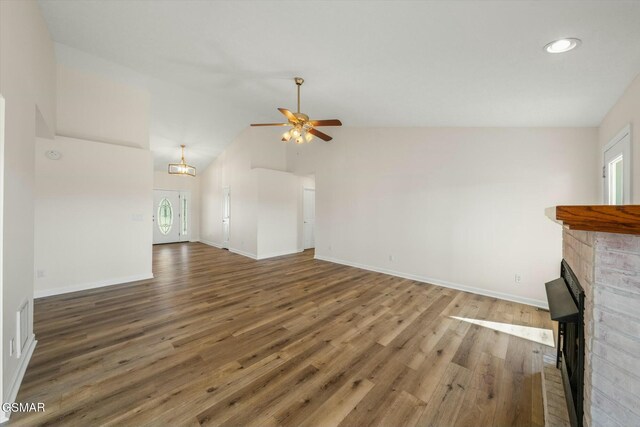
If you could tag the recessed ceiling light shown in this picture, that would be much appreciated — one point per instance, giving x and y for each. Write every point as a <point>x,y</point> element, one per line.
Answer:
<point>562,45</point>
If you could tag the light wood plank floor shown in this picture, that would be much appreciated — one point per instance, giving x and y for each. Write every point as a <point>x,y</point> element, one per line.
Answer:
<point>219,339</point>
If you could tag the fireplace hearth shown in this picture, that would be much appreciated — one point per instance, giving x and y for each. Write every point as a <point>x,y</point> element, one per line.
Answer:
<point>566,306</point>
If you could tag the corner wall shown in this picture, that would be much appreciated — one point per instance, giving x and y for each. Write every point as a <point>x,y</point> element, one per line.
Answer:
<point>27,82</point>
<point>263,220</point>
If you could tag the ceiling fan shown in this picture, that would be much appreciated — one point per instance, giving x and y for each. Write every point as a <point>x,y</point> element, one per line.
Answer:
<point>302,129</point>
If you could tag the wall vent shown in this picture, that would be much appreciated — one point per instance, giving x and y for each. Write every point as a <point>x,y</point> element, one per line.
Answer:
<point>22,327</point>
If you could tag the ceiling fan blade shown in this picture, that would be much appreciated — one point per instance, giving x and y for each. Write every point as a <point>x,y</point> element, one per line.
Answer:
<point>331,122</point>
<point>319,134</point>
<point>288,114</point>
<point>269,124</point>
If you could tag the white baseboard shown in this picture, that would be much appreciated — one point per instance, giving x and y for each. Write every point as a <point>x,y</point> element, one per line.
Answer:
<point>243,253</point>
<point>211,243</point>
<point>19,375</point>
<point>248,254</point>
<point>41,293</point>
<point>443,283</point>
<point>276,254</point>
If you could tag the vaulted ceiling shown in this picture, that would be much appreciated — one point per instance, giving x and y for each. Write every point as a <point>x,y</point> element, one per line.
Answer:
<point>436,63</point>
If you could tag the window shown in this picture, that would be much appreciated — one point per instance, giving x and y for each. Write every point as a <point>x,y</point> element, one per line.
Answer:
<point>184,216</point>
<point>616,182</point>
<point>165,216</point>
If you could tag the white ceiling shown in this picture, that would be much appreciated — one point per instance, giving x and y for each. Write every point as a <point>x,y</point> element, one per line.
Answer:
<point>438,63</point>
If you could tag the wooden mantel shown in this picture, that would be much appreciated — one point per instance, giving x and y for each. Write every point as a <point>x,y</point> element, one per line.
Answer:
<point>624,219</point>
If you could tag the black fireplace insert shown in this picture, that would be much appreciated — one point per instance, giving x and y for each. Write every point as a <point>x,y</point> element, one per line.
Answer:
<point>566,306</point>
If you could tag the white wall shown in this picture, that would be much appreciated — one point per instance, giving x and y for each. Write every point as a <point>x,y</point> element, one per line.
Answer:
<point>178,114</point>
<point>92,215</point>
<point>242,168</point>
<point>163,181</point>
<point>27,82</point>
<point>461,207</point>
<point>95,108</point>
<point>278,194</point>
<point>231,169</point>
<point>625,111</point>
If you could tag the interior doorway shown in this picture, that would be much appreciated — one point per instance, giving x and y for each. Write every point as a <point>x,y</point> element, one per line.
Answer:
<point>171,216</point>
<point>616,169</point>
<point>226,216</point>
<point>309,217</point>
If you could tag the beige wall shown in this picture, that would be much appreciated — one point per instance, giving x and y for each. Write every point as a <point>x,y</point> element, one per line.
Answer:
<point>163,181</point>
<point>460,207</point>
<point>27,82</point>
<point>625,111</point>
<point>95,203</point>
<point>94,108</point>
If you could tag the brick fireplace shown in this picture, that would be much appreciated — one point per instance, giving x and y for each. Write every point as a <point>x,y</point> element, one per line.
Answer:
<point>607,266</point>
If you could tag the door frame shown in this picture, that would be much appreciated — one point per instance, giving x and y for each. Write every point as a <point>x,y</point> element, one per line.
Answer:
<point>622,137</point>
<point>3,416</point>
<point>304,240</point>
<point>226,192</point>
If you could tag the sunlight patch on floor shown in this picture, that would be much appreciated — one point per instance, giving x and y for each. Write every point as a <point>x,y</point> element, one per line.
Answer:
<point>539,335</point>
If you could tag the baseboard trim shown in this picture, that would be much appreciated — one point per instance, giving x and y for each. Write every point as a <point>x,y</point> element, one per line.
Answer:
<point>41,293</point>
<point>243,253</point>
<point>211,243</point>
<point>443,283</point>
<point>277,254</point>
<point>250,255</point>
<point>19,375</point>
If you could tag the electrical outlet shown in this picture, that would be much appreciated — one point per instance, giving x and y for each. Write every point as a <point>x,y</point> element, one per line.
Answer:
<point>518,278</point>
<point>390,257</point>
<point>40,274</point>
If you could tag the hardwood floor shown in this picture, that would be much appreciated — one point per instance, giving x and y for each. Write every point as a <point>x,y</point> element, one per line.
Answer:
<point>219,339</point>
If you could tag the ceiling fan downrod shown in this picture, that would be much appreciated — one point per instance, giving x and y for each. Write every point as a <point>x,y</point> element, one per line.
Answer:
<point>299,81</point>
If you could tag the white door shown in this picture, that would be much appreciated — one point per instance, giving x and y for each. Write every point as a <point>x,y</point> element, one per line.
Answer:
<point>226,216</point>
<point>166,216</point>
<point>616,170</point>
<point>309,217</point>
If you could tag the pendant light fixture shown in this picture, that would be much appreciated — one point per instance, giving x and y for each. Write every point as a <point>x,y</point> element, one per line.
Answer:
<point>182,168</point>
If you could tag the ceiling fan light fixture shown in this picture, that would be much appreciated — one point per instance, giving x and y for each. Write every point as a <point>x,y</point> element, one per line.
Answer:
<point>182,168</point>
<point>302,129</point>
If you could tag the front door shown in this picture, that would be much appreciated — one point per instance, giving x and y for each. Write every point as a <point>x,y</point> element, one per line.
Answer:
<point>166,216</point>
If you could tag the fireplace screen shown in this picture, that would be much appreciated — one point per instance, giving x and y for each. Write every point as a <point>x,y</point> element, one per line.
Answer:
<point>566,305</point>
